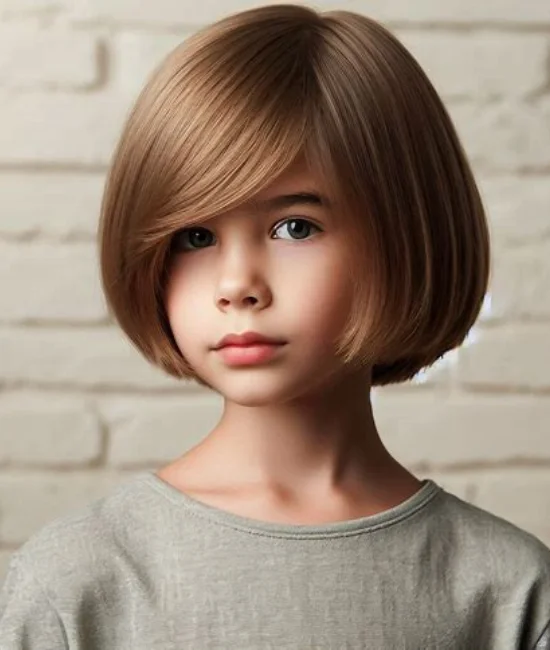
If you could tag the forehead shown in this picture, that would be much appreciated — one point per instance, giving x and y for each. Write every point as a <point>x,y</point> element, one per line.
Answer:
<point>297,184</point>
<point>297,172</point>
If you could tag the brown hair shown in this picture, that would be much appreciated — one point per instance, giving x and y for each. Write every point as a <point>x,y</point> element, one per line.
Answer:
<point>232,107</point>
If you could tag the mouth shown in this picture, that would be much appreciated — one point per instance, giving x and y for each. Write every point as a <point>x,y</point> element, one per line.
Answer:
<point>247,339</point>
<point>250,354</point>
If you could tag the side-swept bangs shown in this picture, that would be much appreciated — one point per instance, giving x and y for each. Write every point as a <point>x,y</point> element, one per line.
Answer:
<point>237,103</point>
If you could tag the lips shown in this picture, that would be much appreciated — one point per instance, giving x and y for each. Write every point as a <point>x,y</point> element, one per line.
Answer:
<point>246,339</point>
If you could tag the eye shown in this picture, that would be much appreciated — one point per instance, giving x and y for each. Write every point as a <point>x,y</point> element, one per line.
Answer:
<point>299,228</point>
<point>190,239</point>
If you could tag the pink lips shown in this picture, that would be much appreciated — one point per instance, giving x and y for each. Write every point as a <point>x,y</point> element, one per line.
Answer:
<point>248,348</point>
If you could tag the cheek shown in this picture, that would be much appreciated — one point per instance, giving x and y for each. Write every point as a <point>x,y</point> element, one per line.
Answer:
<point>185,308</point>
<point>318,284</point>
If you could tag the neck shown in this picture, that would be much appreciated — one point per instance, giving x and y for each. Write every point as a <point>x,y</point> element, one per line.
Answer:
<point>321,444</point>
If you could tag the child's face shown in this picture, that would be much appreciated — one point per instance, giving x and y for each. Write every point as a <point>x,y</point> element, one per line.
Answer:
<point>252,270</point>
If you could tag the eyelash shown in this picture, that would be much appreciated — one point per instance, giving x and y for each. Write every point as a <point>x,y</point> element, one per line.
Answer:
<point>181,248</point>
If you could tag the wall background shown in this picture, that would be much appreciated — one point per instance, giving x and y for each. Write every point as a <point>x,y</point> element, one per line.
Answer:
<point>80,411</point>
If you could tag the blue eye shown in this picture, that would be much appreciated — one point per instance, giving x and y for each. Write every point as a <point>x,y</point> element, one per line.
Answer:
<point>193,238</point>
<point>299,228</point>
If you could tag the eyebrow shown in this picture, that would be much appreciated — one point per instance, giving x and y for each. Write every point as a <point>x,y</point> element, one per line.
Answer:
<point>291,200</point>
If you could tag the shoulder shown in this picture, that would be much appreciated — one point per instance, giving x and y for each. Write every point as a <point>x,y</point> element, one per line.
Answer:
<point>496,563</point>
<point>501,563</point>
<point>61,577</point>
<point>80,548</point>
<point>482,534</point>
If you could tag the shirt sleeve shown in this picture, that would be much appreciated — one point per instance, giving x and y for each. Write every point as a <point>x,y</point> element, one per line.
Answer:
<point>28,621</point>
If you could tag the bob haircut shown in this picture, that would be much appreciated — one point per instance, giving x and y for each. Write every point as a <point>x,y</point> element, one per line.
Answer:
<point>231,108</point>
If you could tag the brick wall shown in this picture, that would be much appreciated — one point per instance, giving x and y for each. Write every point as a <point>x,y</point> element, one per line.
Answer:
<point>81,411</point>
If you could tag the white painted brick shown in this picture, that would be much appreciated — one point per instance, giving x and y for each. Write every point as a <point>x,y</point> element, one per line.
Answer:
<point>47,429</point>
<point>161,12</point>
<point>60,127</point>
<point>456,11</point>
<point>507,358</point>
<point>83,357</point>
<point>520,495</point>
<point>520,286</point>
<point>47,58</point>
<point>54,204</point>
<point>505,137</point>
<point>156,430</point>
<point>136,54</point>
<point>483,64</point>
<point>168,12</point>
<point>54,282</point>
<point>518,208</point>
<point>29,501</point>
<point>427,429</point>
<point>10,7</point>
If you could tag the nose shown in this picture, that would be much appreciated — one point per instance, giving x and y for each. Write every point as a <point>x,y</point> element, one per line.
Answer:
<point>242,285</point>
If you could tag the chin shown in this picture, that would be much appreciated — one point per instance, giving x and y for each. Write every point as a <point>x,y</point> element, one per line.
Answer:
<point>253,392</point>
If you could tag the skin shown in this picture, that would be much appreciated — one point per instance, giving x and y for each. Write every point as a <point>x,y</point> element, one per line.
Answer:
<point>297,442</point>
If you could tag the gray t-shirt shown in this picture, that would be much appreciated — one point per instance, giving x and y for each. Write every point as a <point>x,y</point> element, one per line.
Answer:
<point>150,568</point>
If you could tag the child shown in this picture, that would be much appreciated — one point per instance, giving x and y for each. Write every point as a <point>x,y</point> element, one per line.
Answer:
<point>289,220</point>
